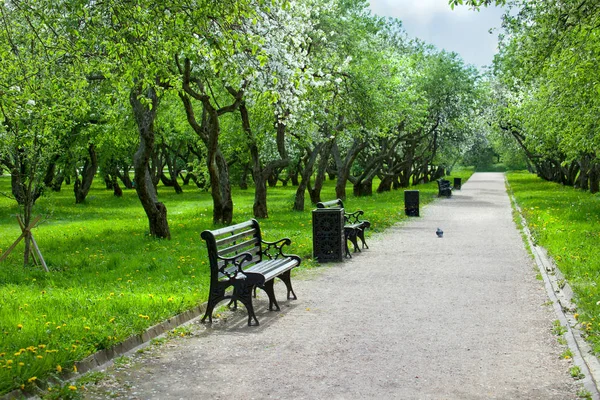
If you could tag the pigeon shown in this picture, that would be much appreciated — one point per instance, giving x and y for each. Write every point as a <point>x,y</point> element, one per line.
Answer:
<point>439,233</point>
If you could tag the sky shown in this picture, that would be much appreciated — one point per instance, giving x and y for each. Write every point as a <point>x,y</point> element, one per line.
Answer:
<point>461,30</point>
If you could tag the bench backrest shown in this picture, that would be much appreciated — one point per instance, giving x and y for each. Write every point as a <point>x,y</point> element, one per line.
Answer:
<point>337,203</point>
<point>231,241</point>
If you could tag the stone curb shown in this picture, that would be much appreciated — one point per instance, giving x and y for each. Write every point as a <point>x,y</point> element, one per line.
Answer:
<point>103,356</point>
<point>561,295</point>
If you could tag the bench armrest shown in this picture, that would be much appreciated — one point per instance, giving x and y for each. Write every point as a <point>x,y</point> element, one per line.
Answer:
<point>274,250</point>
<point>236,262</point>
<point>353,216</point>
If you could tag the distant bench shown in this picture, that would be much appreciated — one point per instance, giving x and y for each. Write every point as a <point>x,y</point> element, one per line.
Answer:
<point>239,261</point>
<point>353,226</point>
<point>444,188</point>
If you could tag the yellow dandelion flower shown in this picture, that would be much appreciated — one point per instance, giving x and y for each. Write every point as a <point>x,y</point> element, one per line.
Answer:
<point>33,378</point>
<point>21,364</point>
<point>576,316</point>
<point>170,299</point>
<point>39,357</point>
<point>74,368</point>
<point>22,386</point>
<point>87,328</point>
<point>110,321</point>
<point>8,362</point>
<point>19,326</point>
<point>71,387</point>
<point>58,368</point>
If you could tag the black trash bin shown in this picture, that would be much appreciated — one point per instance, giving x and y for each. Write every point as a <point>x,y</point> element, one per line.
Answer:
<point>457,183</point>
<point>328,234</point>
<point>411,203</point>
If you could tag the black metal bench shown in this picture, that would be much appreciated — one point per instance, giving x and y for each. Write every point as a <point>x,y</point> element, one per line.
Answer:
<point>238,261</point>
<point>444,188</point>
<point>353,227</point>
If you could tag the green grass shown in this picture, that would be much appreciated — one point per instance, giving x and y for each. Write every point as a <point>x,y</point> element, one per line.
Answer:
<point>566,222</point>
<point>109,280</point>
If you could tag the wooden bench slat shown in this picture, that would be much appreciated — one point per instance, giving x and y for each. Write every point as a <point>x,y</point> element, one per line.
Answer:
<point>235,237</point>
<point>255,259</point>
<point>249,245</point>
<point>227,229</point>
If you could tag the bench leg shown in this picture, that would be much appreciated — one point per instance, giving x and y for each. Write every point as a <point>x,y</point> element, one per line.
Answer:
<point>286,278</point>
<point>268,288</point>
<point>346,238</point>
<point>361,235</point>
<point>216,295</point>
<point>243,293</point>
<point>352,238</point>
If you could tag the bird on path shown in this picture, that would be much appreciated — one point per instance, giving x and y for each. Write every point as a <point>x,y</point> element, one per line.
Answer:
<point>439,232</point>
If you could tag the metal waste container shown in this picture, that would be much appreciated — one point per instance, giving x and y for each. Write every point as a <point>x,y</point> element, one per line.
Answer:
<point>457,183</point>
<point>411,203</point>
<point>328,234</point>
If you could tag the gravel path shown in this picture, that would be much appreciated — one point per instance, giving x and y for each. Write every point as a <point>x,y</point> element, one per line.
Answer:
<point>413,317</point>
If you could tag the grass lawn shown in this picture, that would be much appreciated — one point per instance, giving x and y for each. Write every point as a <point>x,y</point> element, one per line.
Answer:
<point>109,280</point>
<point>566,221</point>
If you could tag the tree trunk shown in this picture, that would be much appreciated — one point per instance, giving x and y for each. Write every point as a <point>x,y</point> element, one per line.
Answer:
<point>220,187</point>
<point>363,188</point>
<point>171,162</point>
<point>57,182</point>
<point>244,177</point>
<point>145,116</point>
<point>583,179</point>
<point>294,177</point>
<point>385,185</point>
<point>209,131</point>
<point>82,186</point>
<point>594,178</point>
<point>343,166</point>
<point>108,181</point>
<point>306,173</point>
<point>124,177</point>
<point>324,153</point>
<point>117,191</point>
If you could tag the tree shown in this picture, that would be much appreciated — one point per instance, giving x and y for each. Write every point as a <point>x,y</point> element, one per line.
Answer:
<point>548,62</point>
<point>39,97</point>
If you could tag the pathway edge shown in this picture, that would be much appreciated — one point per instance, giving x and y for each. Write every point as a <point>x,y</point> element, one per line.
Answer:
<point>564,308</point>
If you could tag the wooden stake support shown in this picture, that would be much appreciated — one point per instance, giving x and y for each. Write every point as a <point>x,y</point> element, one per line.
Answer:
<point>36,254</point>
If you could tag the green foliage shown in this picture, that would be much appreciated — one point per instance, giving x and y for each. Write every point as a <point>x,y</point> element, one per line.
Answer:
<point>547,67</point>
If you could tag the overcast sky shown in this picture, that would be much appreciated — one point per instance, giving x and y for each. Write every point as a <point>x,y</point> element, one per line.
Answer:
<point>461,30</point>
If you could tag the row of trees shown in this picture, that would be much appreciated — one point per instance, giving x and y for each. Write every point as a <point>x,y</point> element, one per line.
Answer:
<point>219,91</point>
<point>547,89</point>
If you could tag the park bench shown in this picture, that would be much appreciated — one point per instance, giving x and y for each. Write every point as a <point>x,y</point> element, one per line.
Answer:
<point>354,227</point>
<point>444,188</point>
<point>241,261</point>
